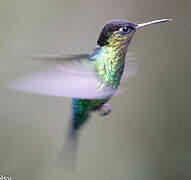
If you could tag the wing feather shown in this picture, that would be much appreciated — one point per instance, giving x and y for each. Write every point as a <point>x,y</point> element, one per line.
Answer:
<point>72,76</point>
<point>64,81</point>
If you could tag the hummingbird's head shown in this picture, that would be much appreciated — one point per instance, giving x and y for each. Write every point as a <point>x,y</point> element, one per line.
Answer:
<point>117,32</point>
<point>120,32</point>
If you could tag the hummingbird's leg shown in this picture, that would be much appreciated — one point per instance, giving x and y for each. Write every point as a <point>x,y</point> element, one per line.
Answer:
<point>105,109</point>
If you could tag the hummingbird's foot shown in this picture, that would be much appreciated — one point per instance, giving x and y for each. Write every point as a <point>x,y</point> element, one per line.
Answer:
<point>105,109</point>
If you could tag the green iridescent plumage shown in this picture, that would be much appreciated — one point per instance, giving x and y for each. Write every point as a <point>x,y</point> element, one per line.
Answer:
<point>82,108</point>
<point>110,65</point>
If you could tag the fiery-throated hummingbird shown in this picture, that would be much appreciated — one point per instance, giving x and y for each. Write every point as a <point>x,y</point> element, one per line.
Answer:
<point>90,79</point>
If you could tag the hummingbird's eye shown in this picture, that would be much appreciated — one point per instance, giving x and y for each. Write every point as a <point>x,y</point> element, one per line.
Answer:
<point>125,29</point>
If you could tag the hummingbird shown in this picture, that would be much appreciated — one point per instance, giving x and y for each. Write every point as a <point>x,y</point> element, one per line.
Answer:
<point>90,79</point>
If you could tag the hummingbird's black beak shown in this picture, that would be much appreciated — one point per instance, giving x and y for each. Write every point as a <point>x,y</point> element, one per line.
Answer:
<point>139,26</point>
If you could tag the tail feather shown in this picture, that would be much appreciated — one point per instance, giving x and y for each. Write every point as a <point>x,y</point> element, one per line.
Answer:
<point>67,157</point>
<point>80,115</point>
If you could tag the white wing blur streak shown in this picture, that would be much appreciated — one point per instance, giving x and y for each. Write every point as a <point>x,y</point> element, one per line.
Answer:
<point>71,76</point>
<point>131,67</point>
<point>75,80</point>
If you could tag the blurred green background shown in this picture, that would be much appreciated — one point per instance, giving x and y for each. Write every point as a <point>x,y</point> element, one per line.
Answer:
<point>148,134</point>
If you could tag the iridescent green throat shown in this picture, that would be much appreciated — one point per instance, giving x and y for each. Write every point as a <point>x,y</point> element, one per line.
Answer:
<point>110,61</point>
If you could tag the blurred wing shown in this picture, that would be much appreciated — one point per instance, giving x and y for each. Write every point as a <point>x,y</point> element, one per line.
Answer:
<point>74,79</point>
<point>57,58</point>
<point>131,67</point>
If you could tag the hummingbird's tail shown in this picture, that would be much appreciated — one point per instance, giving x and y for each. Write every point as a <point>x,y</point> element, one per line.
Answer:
<point>80,115</point>
<point>68,154</point>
